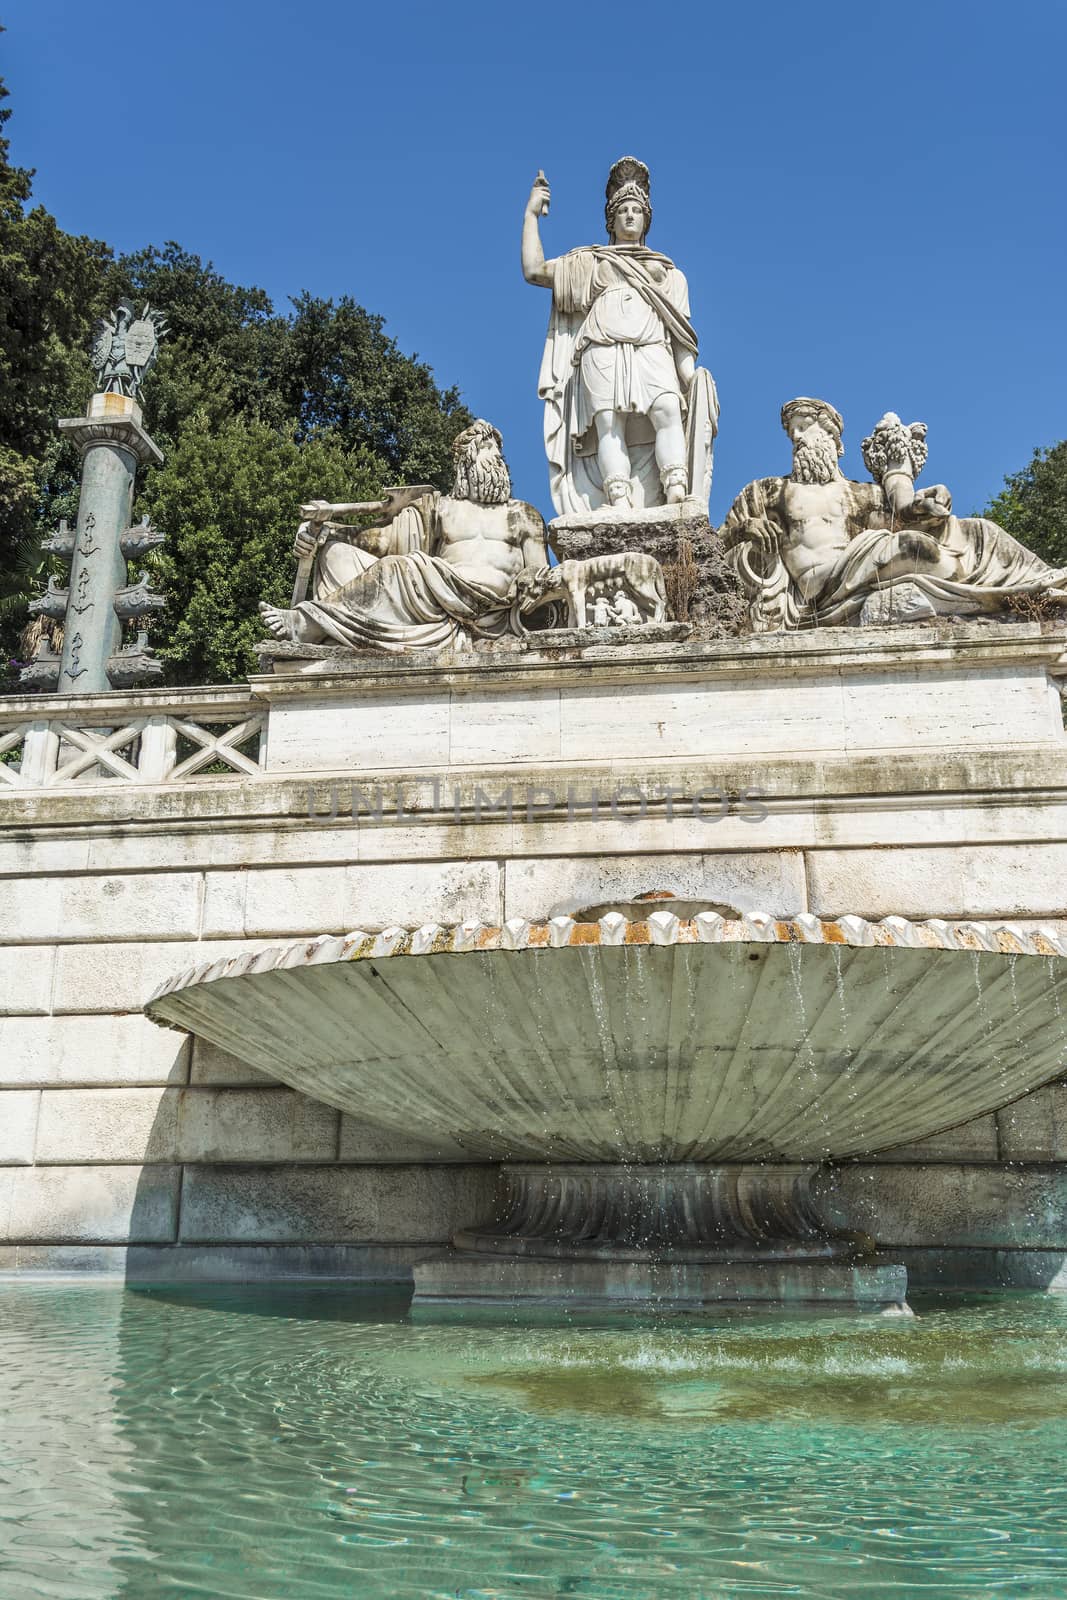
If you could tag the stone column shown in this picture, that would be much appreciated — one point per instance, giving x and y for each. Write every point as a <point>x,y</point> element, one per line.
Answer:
<point>113,444</point>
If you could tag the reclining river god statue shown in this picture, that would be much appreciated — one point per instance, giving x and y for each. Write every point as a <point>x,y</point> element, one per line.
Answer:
<point>819,549</point>
<point>435,570</point>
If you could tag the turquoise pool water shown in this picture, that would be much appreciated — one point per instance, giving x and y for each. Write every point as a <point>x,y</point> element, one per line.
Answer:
<point>308,1445</point>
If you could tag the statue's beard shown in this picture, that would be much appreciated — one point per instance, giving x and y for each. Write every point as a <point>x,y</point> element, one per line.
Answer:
<point>815,460</point>
<point>483,478</point>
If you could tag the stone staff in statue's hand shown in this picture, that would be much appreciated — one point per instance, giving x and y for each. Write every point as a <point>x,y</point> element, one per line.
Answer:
<point>394,500</point>
<point>318,521</point>
<point>540,196</point>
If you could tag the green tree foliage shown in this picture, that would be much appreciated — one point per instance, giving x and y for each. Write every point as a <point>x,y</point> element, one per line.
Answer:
<point>328,368</point>
<point>217,359</point>
<point>340,373</point>
<point>1033,504</point>
<point>254,410</point>
<point>50,284</point>
<point>227,496</point>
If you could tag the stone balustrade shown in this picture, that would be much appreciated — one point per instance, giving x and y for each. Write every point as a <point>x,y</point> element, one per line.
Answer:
<point>146,736</point>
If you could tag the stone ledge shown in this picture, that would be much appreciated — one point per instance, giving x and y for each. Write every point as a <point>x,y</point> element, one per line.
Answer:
<point>118,706</point>
<point>606,522</point>
<point>605,640</point>
<point>863,649</point>
<point>958,1270</point>
<point>451,1278</point>
<point>364,1266</point>
<point>538,641</point>
<point>1010,776</point>
<point>947,645</point>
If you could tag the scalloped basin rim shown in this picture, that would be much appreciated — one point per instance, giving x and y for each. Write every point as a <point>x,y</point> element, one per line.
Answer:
<point>705,1039</point>
<point>659,928</point>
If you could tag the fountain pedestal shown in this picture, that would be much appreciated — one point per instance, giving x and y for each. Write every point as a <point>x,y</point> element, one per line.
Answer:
<point>678,1235</point>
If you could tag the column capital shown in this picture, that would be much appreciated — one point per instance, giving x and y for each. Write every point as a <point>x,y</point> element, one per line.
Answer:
<point>124,432</point>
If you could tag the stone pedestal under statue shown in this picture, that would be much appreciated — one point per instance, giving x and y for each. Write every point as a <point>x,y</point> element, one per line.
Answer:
<point>702,587</point>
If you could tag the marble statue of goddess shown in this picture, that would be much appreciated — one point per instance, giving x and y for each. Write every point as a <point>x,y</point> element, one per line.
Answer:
<point>629,417</point>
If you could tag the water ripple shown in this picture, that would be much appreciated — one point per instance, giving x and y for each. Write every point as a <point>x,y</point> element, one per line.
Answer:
<point>275,1445</point>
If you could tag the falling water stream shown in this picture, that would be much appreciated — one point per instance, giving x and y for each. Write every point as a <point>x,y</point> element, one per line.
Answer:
<point>288,1444</point>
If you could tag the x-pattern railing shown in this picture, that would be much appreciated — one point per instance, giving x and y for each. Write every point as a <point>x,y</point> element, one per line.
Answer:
<point>11,742</point>
<point>97,748</point>
<point>220,746</point>
<point>49,751</point>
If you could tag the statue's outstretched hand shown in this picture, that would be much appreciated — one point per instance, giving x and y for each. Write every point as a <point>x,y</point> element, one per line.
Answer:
<point>540,197</point>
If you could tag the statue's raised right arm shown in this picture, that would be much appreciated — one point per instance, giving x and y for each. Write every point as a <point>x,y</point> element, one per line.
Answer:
<point>535,269</point>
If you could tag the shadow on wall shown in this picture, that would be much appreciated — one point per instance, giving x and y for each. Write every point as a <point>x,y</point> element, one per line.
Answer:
<point>980,1207</point>
<point>246,1181</point>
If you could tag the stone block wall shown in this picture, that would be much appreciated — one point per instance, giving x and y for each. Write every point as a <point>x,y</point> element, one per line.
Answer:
<point>116,1133</point>
<point>127,1146</point>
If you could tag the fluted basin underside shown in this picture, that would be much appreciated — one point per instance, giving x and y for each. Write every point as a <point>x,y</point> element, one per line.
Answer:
<point>677,1212</point>
<point>702,1039</point>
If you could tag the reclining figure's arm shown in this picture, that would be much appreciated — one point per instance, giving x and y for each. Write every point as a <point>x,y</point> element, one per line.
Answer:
<point>379,540</point>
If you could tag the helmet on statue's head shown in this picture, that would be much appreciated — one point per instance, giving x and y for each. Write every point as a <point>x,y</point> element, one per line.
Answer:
<point>627,180</point>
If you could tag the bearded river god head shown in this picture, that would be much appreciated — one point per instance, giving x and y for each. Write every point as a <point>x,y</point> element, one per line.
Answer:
<point>815,427</point>
<point>481,471</point>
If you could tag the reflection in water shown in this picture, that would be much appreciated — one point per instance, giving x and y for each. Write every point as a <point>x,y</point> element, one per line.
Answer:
<point>66,1464</point>
<point>284,1445</point>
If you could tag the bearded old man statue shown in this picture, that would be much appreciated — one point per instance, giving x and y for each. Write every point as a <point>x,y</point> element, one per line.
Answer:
<point>436,570</point>
<point>630,419</point>
<point>819,549</point>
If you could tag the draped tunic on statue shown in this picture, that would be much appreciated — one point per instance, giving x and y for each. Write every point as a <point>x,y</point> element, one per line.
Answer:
<point>620,318</point>
<point>989,565</point>
<point>408,598</point>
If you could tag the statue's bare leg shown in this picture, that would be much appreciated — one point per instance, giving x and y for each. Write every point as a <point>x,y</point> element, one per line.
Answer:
<point>665,415</point>
<point>613,458</point>
<point>290,625</point>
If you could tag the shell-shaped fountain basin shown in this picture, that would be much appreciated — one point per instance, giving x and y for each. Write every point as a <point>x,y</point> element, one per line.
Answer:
<point>701,1038</point>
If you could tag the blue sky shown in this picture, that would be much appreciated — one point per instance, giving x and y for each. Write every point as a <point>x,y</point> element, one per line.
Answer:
<point>868,201</point>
